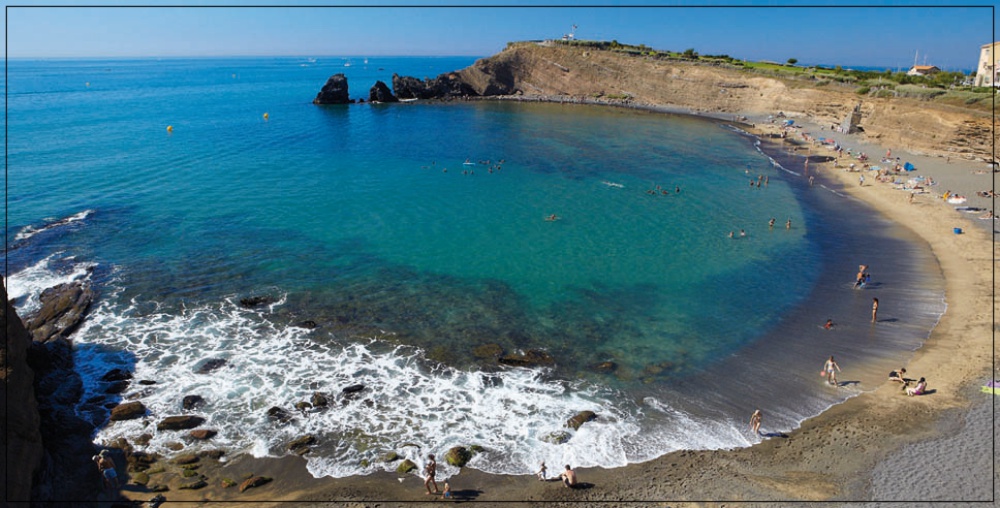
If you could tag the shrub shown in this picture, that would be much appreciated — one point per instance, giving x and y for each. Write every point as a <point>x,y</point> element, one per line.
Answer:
<point>863,90</point>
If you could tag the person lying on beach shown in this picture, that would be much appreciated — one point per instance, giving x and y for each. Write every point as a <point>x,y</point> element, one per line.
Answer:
<point>568,477</point>
<point>919,389</point>
<point>897,376</point>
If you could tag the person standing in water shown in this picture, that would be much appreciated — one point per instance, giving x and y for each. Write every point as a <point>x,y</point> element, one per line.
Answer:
<point>755,421</point>
<point>831,368</point>
<point>874,309</point>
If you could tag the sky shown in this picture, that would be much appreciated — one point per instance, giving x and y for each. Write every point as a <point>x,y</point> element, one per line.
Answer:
<point>879,33</point>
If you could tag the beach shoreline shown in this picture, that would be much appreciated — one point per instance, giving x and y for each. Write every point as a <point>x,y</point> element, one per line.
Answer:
<point>829,457</point>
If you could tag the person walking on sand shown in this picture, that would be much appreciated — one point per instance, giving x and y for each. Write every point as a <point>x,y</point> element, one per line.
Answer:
<point>568,477</point>
<point>755,421</point>
<point>874,309</point>
<point>430,469</point>
<point>541,472</point>
<point>830,368</point>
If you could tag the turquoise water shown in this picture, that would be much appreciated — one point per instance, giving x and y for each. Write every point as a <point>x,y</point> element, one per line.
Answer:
<point>366,220</point>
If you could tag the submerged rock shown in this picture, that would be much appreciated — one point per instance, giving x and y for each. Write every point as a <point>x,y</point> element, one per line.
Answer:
<point>203,433</point>
<point>318,400</point>
<point>557,437</point>
<point>192,402</point>
<point>279,415</point>
<point>210,365</point>
<point>256,301</point>
<point>530,358</point>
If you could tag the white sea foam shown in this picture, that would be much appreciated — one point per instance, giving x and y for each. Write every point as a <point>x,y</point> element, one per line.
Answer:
<point>24,287</point>
<point>30,231</point>
<point>407,400</point>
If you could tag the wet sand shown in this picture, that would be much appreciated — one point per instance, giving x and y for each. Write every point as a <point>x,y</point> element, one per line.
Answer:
<point>878,446</point>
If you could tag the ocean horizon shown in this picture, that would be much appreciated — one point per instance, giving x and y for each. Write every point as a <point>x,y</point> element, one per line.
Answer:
<point>406,248</point>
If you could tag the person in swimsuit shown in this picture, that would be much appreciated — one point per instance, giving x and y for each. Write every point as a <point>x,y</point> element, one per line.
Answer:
<point>897,375</point>
<point>874,309</point>
<point>831,369</point>
<point>829,324</point>
<point>429,471</point>
<point>755,421</point>
<point>919,389</point>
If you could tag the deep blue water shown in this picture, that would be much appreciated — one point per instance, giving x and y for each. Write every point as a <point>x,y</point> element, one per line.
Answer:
<point>414,236</point>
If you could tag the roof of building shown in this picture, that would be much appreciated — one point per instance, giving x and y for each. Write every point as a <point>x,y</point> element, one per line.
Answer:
<point>925,67</point>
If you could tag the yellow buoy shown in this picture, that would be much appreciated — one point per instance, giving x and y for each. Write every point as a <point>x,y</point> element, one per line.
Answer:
<point>266,116</point>
<point>170,128</point>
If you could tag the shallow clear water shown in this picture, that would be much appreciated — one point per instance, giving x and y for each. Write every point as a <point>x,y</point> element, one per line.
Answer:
<point>416,266</point>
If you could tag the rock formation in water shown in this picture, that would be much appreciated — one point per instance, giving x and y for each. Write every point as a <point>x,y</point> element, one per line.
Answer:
<point>334,91</point>
<point>380,93</point>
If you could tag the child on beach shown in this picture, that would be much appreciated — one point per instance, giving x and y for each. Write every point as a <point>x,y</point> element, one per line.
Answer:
<point>447,490</point>
<point>919,389</point>
<point>829,371</point>
<point>541,472</point>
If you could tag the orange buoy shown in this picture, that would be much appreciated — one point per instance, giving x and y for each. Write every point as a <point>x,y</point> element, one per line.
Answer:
<point>266,116</point>
<point>170,128</point>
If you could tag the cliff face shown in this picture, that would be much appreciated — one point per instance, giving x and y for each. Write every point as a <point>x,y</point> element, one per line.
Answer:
<point>910,124</point>
<point>22,439</point>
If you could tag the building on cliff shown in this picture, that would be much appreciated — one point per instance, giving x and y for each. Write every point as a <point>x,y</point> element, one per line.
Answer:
<point>987,72</point>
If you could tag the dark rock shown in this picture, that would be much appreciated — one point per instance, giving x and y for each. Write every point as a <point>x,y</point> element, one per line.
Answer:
<point>580,418</point>
<point>302,444</point>
<point>174,446</point>
<point>390,457</point>
<point>128,411</point>
<point>303,406</point>
<point>143,439</point>
<point>256,301</point>
<point>117,387</point>
<point>147,382</point>
<point>448,85</point>
<point>256,481</point>
<point>457,456</point>
<point>279,415</point>
<point>380,93</point>
<point>140,478</point>
<point>192,402</point>
<point>158,488</point>
<point>210,365</point>
<point>319,400</point>
<point>182,422</point>
<point>203,433</point>
<point>62,310</point>
<point>116,375</point>
<point>354,388</point>
<point>139,394</point>
<point>308,324</point>
<point>531,358</point>
<point>406,466</point>
<point>334,91</point>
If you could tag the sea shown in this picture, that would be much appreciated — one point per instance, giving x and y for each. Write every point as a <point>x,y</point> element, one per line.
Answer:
<point>404,250</point>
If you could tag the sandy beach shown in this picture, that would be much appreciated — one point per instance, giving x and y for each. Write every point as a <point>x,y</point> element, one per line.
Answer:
<point>879,446</point>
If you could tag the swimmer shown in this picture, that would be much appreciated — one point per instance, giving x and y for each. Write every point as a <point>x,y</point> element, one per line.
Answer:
<point>788,224</point>
<point>770,223</point>
<point>829,324</point>
<point>811,178</point>
<point>731,234</point>
<point>743,234</point>
<point>552,217</point>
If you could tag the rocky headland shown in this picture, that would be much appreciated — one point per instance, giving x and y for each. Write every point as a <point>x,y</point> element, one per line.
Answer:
<point>565,73</point>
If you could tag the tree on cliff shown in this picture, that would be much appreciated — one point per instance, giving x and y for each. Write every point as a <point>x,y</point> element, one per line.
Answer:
<point>793,61</point>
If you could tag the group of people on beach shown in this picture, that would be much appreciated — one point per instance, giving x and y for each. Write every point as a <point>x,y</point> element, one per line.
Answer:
<point>568,477</point>
<point>899,376</point>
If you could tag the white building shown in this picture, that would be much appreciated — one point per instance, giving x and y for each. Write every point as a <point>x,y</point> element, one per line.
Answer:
<point>986,72</point>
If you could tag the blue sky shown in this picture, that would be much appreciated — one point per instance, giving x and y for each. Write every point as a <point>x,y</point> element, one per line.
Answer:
<point>887,36</point>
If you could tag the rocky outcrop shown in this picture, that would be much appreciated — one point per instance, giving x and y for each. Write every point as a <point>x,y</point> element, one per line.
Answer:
<point>448,85</point>
<point>128,411</point>
<point>19,418</point>
<point>62,309</point>
<point>380,93</point>
<point>530,358</point>
<point>458,456</point>
<point>334,91</point>
<point>580,418</point>
<point>182,422</point>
